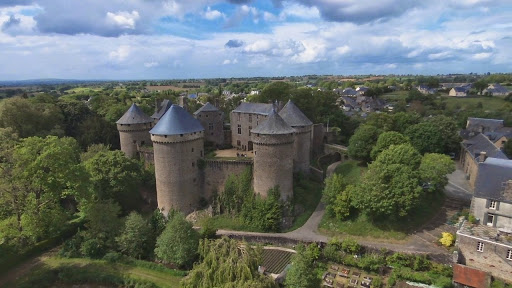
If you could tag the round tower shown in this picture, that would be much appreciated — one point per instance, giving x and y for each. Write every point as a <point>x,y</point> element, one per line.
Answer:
<point>292,115</point>
<point>273,156</point>
<point>133,129</point>
<point>178,147</point>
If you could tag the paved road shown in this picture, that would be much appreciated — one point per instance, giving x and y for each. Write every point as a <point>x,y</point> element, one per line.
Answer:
<point>457,187</point>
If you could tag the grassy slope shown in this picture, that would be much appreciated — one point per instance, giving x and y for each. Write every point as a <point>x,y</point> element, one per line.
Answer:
<point>361,226</point>
<point>488,103</point>
<point>101,267</point>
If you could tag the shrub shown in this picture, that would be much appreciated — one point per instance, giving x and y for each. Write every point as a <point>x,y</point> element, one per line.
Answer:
<point>71,248</point>
<point>447,239</point>
<point>399,260</point>
<point>377,282</point>
<point>350,246</point>
<point>112,257</point>
<point>93,248</point>
<point>421,263</point>
<point>208,231</point>
<point>472,219</point>
<point>372,262</point>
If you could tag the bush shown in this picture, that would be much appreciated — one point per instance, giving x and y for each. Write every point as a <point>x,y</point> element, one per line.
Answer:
<point>71,248</point>
<point>447,239</point>
<point>421,263</point>
<point>377,282</point>
<point>399,260</point>
<point>113,257</point>
<point>472,219</point>
<point>350,246</point>
<point>208,231</point>
<point>93,248</point>
<point>372,262</point>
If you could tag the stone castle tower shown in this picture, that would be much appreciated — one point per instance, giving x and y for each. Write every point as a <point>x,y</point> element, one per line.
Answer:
<point>133,129</point>
<point>178,146</point>
<point>292,115</point>
<point>273,156</point>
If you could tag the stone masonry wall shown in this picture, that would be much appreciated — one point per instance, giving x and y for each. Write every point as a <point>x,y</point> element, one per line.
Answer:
<point>492,259</point>
<point>217,171</point>
<point>247,122</point>
<point>302,150</point>
<point>273,164</point>
<point>133,135</point>
<point>213,124</point>
<point>177,172</point>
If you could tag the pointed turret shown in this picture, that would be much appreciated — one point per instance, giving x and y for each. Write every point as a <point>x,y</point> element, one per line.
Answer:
<point>162,108</point>
<point>302,144</point>
<point>133,129</point>
<point>273,156</point>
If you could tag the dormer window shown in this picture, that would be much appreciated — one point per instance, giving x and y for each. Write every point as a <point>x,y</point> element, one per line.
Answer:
<point>492,204</point>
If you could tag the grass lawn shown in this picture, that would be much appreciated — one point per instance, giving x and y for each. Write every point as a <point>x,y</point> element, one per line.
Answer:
<point>395,95</point>
<point>161,277</point>
<point>351,170</point>
<point>361,226</point>
<point>227,222</point>
<point>468,103</point>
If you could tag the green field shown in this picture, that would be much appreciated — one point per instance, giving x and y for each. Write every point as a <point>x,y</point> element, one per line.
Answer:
<point>83,90</point>
<point>53,271</point>
<point>469,103</point>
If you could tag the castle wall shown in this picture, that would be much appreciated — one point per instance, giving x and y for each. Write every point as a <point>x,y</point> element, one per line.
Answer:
<point>492,259</point>
<point>217,171</point>
<point>176,169</point>
<point>302,149</point>
<point>213,124</point>
<point>273,164</point>
<point>317,139</point>
<point>247,122</point>
<point>133,135</point>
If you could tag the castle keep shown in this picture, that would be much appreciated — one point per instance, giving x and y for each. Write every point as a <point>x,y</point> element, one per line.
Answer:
<point>280,141</point>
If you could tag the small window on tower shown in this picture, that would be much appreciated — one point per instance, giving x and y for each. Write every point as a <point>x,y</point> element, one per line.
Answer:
<point>193,164</point>
<point>210,126</point>
<point>192,149</point>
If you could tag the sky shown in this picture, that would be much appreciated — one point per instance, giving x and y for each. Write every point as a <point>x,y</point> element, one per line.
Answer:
<point>177,39</point>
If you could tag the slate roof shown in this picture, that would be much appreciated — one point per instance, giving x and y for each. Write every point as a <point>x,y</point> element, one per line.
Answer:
<point>492,173</point>
<point>176,121</point>
<point>459,89</point>
<point>254,108</point>
<point>206,108</point>
<point>470,277</point>
<point>134,116</point>
<point>488,124</point>
<point>479,144</point>
<point>164,106</point>
<point>292,115</point>
<point>274,125</point>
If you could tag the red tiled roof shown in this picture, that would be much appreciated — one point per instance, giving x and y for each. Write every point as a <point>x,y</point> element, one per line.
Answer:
<point>470,276</point>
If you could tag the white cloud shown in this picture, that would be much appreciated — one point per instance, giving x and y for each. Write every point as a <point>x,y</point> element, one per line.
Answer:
<point>481,56</point>
<point>213,14</point>
<point>258,46</point>
<point>226,62</point>
<point>299,11</point>
<point>123,19</point>
<point>121,53</point>
<point>343,49</point>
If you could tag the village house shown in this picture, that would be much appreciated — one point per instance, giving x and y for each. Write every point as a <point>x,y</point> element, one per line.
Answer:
<point>487,244</point>
<point>458,92</point>
<point>426,90</point>
<point>496,90</point>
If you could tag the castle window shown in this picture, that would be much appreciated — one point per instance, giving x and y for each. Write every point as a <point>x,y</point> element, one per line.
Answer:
<point>193,164</point>
<point>238,116</point>
<point>192,149</point>
<point>492,204</point>
<point>250,118</point>
<point>509,254</point>
<point>201,153</point>
<point>206,115</point>
<point>250,128</point>
<point>239,129</point>
<point>238,142</point>
<point>480,247</point>
<point>210,126</point>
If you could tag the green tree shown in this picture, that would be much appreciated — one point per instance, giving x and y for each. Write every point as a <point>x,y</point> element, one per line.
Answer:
<point>362,142</point>
<point>434,169</point>
<point>402,121</point>
<point>385,140</point>
<point>275,91</point>
<point>113,176</point>
<point>388,191</point>
<point>403,154</point>
<point>342,203</point>
<point>426,138</point>
<point>103,226</point>
<point>334,185</point>
<point>381,121</point>
<point>227,263</point>
<point>178,242</point>
<point>300,273</point>
<point>449,132</point>
<point>480,85</point>
<point>135,238</point>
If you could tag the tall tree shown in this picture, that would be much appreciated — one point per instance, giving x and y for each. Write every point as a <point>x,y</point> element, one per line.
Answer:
<point>426,138</point>
<point>434,169</point>
<point>135,237</point>
<point>300,273</point>
<point>385,141</point>
<point>178,242</point>
<point>362,142</point>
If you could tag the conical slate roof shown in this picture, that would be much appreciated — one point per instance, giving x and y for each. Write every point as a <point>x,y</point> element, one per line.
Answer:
<point>134,116</point>
<point>176,121</point>
<point>293,116</point>
<point>164,106</point>
<point>274,125</point>
<point>206,108</point>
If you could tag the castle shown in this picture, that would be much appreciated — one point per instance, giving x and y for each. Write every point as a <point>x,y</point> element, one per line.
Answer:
<point>280,141</point>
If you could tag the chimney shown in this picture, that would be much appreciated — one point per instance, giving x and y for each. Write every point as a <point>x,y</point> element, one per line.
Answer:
<point>482,156</point>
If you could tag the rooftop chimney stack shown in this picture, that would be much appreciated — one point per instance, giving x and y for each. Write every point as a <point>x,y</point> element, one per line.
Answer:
<point>482,157</point>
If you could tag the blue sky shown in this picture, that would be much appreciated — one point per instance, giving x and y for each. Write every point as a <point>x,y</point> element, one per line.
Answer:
<point>163,39</point>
